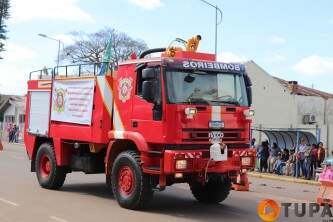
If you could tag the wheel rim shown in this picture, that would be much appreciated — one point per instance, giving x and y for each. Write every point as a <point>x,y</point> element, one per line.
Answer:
<point>45,166</point>
<point>126,180</point>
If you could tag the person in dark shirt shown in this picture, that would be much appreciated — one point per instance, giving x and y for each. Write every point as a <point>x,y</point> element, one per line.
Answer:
<point>285,155</point>
<point>263,156</point>
<point>321,153</point>
<point>15,133</point>
<point>253,142</point>
<point>310,160</point>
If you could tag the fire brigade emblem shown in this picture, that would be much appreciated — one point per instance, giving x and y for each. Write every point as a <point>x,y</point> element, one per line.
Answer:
<point>125,88</point>
<point>59,100</point>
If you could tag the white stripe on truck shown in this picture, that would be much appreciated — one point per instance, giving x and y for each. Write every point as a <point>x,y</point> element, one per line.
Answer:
<point>216,113</point>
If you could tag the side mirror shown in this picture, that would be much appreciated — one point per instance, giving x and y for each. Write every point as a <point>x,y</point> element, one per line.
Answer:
<point>249,95</point>
<point>149,73</point>
<point>148,91</point>
<point>247,80</point>
<point>248,85</point>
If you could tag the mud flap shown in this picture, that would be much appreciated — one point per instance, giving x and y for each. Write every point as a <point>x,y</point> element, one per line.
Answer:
<point>242,183</point>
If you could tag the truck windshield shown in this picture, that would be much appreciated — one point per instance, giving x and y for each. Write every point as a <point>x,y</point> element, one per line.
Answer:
<point>184,87</point>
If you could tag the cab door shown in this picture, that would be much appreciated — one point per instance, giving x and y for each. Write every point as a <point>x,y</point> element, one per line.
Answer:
<point>147,113</point>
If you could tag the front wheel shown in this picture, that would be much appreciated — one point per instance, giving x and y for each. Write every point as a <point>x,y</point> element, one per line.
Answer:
<point>215,190</point>
<point>49,175</point>
<point>131,187</point>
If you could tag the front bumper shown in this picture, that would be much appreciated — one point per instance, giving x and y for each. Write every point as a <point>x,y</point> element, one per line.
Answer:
<point>198,161</point>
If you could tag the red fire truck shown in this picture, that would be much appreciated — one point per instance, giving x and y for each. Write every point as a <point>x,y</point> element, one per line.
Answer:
<point>151,122</point>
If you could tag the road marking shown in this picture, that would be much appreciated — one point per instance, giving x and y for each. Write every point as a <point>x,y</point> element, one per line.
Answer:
<point>9,202</point>
<point>58,219</point>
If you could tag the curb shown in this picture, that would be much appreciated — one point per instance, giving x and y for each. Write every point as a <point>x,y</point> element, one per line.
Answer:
<point>283,178</point>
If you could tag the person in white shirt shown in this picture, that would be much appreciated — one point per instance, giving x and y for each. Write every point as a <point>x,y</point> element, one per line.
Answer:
<point>300,157</point>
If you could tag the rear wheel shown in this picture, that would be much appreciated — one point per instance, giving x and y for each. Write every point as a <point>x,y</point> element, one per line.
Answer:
<point>49,175</point>
<point>215,190</point>
<point>131,187</point>
<point>108,183</point>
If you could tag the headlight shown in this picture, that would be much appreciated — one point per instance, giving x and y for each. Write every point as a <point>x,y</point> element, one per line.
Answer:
<point>190,112</point>
<point>249,114</point>
<point>181,164</point>
<point>246,161</point>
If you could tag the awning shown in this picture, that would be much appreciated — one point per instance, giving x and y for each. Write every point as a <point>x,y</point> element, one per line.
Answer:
<point>287,138</point>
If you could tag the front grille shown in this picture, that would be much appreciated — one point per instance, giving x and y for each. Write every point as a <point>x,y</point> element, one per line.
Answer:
<point>202,135</point>
<point>187,146</point>
<point>238,145</point>
<point>204,147</point>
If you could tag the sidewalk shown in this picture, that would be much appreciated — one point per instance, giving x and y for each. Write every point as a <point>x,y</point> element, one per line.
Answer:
<point>6,144</point>
<point>282,178</point>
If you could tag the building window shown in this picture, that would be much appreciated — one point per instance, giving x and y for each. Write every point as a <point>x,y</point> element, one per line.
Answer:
<point>22,118</point>
<point>9,119</point>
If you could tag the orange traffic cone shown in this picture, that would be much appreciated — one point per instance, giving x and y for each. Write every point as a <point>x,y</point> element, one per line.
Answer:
<point>242,183</point>
<point>325,195</point>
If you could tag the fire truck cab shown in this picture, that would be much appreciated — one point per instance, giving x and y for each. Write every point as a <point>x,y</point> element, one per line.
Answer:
<point>151,122</point>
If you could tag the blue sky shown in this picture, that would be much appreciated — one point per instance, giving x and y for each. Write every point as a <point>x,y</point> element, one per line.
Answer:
<point>289,39</point>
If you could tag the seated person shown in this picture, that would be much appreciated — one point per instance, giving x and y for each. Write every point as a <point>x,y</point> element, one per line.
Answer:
<point>290,163</point>
<point>273,157</point>
<point>279,164</point>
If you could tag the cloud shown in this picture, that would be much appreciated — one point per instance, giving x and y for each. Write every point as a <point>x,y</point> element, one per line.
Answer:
<point>15,68</point>
<point>66,39</point>
<point>16,53</point>
<point>66,10</point>
<point>315,65</point>
<point>231,57</point>
<point>276,57</point>
<point>147,4</point>
<point>277,40</point>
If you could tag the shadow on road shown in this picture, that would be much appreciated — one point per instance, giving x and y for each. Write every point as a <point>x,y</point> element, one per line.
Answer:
<point>96,189</point>
<point>176,203</point>
<point>187,207</point>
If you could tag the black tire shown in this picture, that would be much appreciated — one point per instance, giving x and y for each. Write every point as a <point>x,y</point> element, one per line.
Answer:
<point>108,183</point>
<point>214,191</point>
<point>56,175</point>
<point>140,192</point>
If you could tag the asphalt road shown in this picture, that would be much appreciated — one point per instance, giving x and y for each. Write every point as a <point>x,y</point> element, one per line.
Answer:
<point>84,198</point>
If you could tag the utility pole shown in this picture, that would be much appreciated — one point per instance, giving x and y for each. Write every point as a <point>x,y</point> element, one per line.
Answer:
<point>59,46</point>
<point>217,21</point>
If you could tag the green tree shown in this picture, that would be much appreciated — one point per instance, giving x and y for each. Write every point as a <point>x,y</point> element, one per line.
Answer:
<point>89,48</point>
<point>4,15</point>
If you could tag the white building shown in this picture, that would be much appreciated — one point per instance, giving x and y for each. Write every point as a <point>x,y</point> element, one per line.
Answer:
<point>12,111</point>
<point>282,105</point>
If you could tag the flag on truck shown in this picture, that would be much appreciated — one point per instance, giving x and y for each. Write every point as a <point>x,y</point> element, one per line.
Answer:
<point>105,68</point>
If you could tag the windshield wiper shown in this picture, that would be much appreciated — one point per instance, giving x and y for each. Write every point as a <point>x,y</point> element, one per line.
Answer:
<point>233,102</point>
<point>197,100</point>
